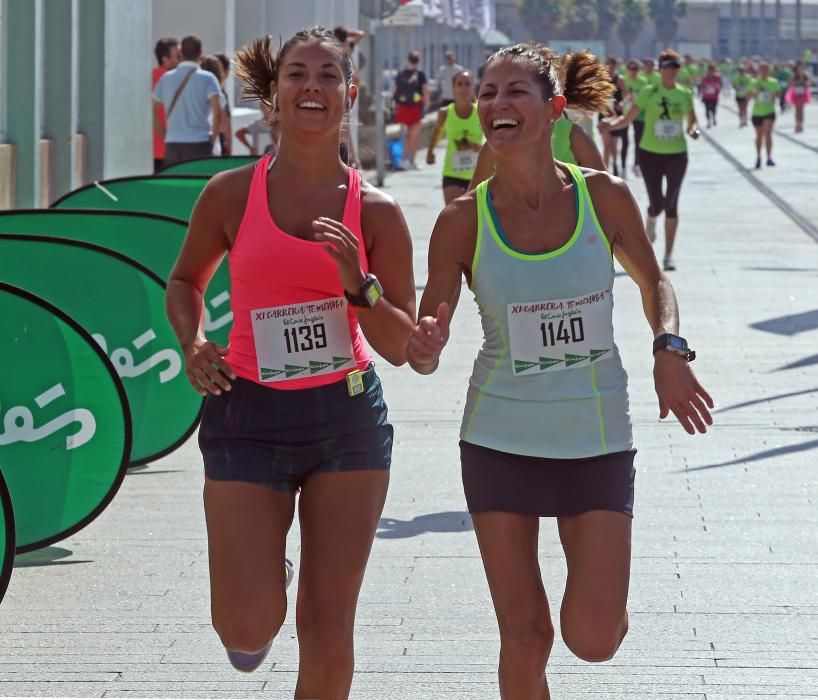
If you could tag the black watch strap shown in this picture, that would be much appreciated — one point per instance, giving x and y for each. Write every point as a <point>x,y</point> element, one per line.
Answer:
<point>368,295</point>
<point>675,344</point>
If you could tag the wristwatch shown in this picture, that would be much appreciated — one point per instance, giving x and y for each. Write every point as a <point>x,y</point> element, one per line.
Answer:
<point>368,295</point>
<point>673,343</point>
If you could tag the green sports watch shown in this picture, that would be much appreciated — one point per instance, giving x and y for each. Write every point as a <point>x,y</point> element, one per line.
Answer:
<point>368,295</point>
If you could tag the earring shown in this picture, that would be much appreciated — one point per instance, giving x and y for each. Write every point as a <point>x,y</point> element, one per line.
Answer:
<point>275,102</point>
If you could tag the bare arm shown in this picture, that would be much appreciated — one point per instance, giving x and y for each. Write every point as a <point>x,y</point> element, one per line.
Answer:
<point>620,122</point>
<point>389,323</point>
<point>585,150</point>
<point>158,127</point>
<point>241,136</point>
<point>676,386</point>
<point>452,243</point>
<point>484,168</point>
<point>204,247</point>
<point>227,132</point>
<point>437,135</point>
<point>216,109</point>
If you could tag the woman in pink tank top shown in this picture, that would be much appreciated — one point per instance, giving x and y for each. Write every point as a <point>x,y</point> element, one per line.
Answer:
<point>319,260</point>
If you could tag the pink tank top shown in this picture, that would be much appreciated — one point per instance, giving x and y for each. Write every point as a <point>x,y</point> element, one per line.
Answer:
<point>292,327</point>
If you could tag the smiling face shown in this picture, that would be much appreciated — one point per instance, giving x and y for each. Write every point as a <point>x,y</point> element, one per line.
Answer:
<point>312,94</point>
<point>514,112</point>
<point>463,86</point>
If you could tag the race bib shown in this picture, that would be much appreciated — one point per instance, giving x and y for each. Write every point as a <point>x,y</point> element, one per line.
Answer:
<point>798,89</point>
<point>710,90</point>
<point>765,97</point>
<point>463,161</point>
<point>560,334</point>
<point>302,340</point>
<point>667,129</point>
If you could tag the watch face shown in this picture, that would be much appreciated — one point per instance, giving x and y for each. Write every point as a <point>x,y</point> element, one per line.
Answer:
<point>373,294</point>
<point>676,342</point>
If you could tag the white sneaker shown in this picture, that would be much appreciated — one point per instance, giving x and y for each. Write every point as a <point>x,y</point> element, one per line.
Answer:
<point>668,264</point>
<point>650,227</point>
<point>289,572</point>
<point>405,165</point>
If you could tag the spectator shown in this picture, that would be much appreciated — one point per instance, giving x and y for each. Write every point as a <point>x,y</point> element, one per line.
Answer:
<point>445,78</point>
<point>167,58</point>
<point>226,135</point>
<point>213,65</point>
<point>189,95</point>
<point>268,124</point>
<point>350,38</point>
<point>411,95</point>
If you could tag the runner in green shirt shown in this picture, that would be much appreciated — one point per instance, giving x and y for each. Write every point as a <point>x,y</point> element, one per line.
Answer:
<point>663,145</point>
<point>742,84</point>
<point>649,71</point>
<point>782,74</point>
<point>635,83</point>
<point>764,91</point>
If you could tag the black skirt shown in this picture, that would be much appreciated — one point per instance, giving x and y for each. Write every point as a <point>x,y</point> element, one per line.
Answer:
<point>510,483</point>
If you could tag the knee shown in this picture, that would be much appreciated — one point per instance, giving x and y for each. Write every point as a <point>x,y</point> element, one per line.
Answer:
<point>528,638</point>
<point>594,640</point>
<point>248,631</point>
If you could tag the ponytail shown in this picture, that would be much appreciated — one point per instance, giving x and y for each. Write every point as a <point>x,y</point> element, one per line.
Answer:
<point>586,84</point>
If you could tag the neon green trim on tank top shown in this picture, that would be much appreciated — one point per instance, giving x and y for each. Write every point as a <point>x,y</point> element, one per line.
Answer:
<point>478,243</point>
<point>487,209</point>
<point>586,197</point>
<point>602,440</point>
<point>500,357</point>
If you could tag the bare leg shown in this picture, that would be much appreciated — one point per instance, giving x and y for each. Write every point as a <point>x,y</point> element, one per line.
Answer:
<point>799,118</point>
<point>768,137</point>
<point>247,528</point>
<point>671,224</point>
<point>339,514</point>
<point>759,138</point>
<point>594,617</point>
<point>451,193</point>
<point>508,545</point>
<point>413,132</point>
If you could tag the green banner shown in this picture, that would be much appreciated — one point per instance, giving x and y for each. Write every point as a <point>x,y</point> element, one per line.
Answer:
<point>152,240</point>
<point>7,536</point>
<point>207,166</point>
<point>122,306</point>
<point>170,195</point>
<point>65,427</point>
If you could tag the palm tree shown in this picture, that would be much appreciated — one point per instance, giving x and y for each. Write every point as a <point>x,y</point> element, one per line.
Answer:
<point>665,14</point>
<point>634,14</point>
<point>544,18</point>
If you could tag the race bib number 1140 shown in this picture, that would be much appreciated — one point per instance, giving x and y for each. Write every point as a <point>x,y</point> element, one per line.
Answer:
<point>559,334</point>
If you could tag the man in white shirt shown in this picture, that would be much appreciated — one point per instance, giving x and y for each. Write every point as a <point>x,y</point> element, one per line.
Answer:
<point>445,75</point>
<point>189,95</point>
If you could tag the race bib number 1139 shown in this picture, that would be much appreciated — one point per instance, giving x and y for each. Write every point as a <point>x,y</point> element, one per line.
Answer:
<point>302,340</point>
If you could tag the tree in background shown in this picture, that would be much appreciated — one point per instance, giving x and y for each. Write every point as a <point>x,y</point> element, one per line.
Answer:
<point>634,15</point>
<point>665,14</point>
<point>609,13</point>
<point>581,20</point>
<point>544,18</point>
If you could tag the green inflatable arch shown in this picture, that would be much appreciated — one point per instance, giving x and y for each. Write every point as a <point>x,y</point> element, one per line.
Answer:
<point>65,425</point>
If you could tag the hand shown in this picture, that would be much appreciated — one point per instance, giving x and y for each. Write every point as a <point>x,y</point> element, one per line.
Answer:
<point>694,132</point>
<point>429,338</point>
<point>430,158</point>
<point>206,369</point>
<point>681,393</point>
<point>342,245</point>
<point>604,126</point>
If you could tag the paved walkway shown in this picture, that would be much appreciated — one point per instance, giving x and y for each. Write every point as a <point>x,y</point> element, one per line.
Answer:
<point>724,596</point>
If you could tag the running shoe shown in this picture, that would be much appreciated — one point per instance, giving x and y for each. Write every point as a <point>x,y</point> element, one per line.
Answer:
<point>770,161</point>
<point>289,572</point>
<point>758,163</point>
<point>668,264</point>
<point>650,227</point>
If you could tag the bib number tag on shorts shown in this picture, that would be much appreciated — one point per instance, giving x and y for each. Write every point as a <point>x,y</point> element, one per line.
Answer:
<point>464,160</point>
<point>560,334</point>
<point>667,129</point>
<point>302,340</point>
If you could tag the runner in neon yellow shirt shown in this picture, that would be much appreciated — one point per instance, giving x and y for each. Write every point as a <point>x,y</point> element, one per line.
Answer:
<point>764,92</point>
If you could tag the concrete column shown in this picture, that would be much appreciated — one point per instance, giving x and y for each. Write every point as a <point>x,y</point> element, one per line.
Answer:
<point>59,115</point>
<point>90,87</point>
<point>23,38</point>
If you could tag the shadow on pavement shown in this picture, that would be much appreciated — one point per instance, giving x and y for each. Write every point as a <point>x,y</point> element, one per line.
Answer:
<point>47,556</point>
<point>767,454</point>
<point>806,362</point>
<point>392,529</point>
<point>755,402</point>
<point>791,324</point>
